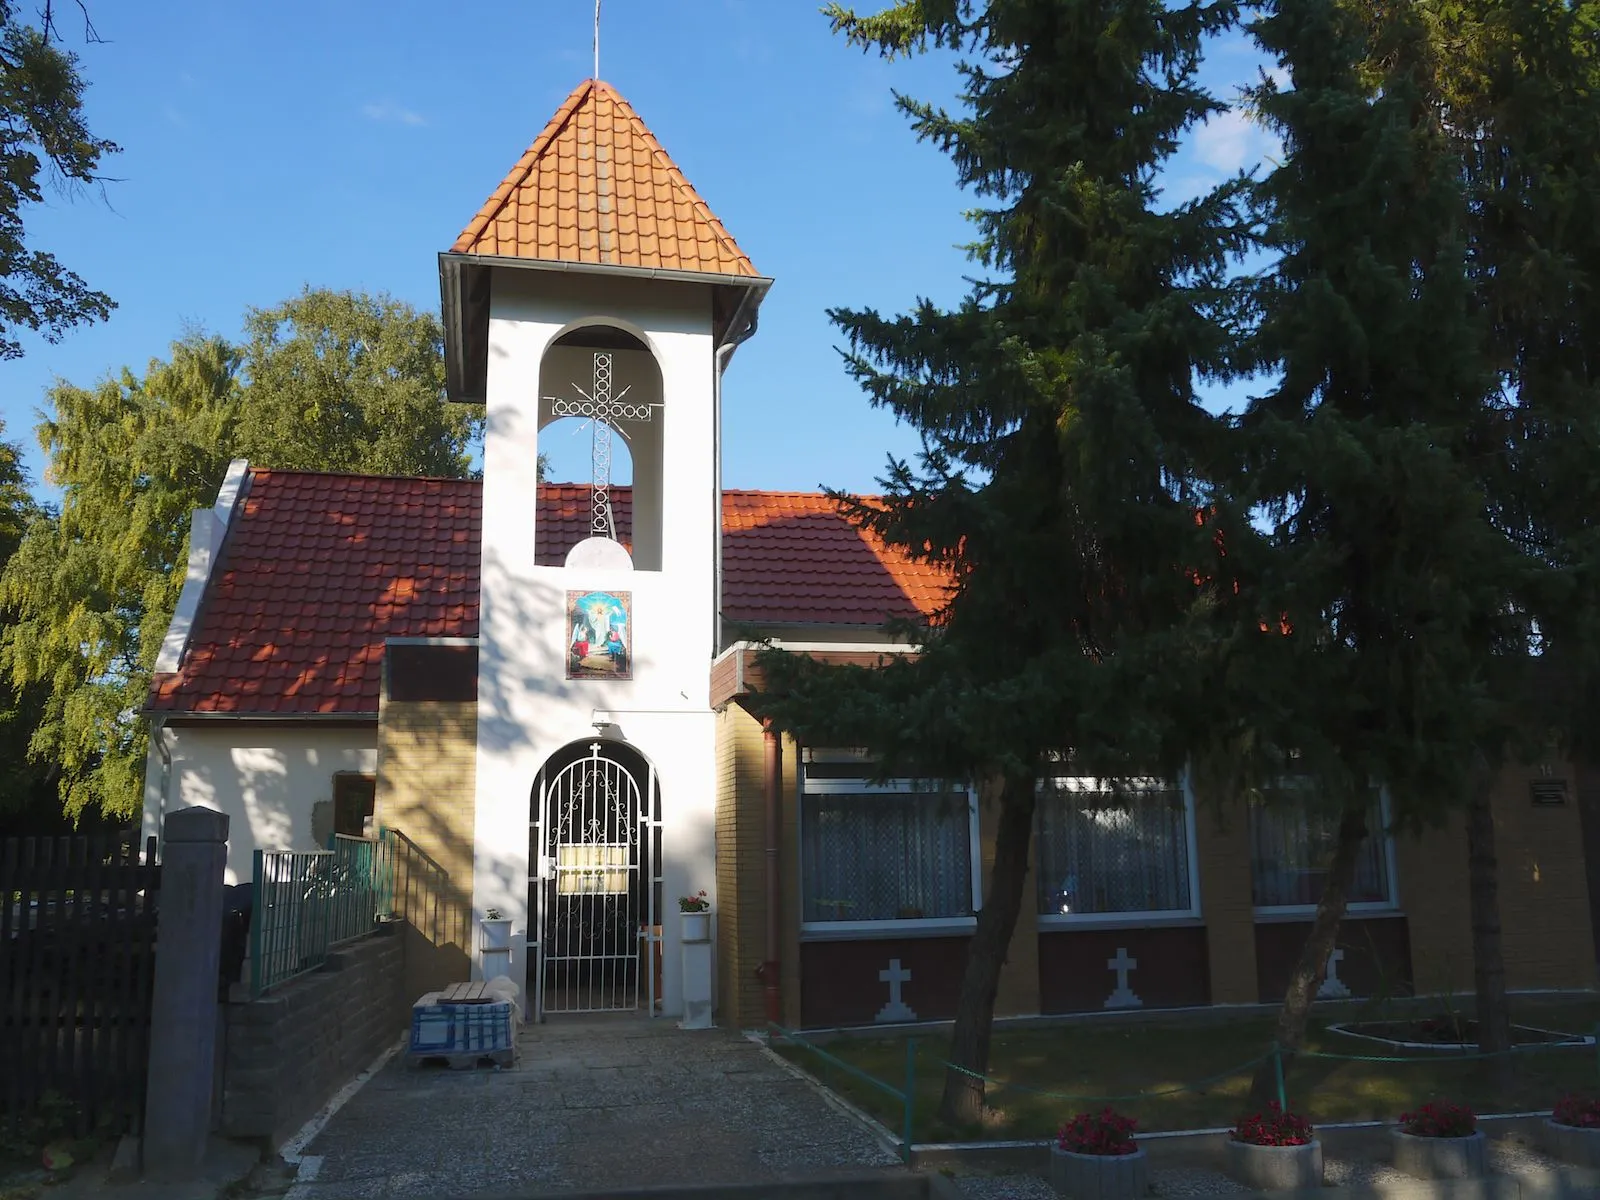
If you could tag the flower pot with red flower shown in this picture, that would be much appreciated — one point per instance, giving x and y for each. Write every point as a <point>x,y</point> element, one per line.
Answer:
<point>1572,1133</point>
<point>1439,1141</point>
<point>1096,1158</point>
<point>695,912</point>
<point>1275,1149</point>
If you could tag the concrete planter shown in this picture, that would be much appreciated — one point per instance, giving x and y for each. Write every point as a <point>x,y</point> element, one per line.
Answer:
<point>1099,1176</point>
<point>1573,1144</point>
<point>1271,1167</point>
<point>696,927</point>
<point>1439,1157</point>
<point>496,933</point>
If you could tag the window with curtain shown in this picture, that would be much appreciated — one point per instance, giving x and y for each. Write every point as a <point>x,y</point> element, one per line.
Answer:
<point>1291,847</point>
<point>870,855</point>
<point>1105,851</point>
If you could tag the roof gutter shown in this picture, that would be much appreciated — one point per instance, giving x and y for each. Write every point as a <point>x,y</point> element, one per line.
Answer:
<point>758,283</point>
<point>166,716</point>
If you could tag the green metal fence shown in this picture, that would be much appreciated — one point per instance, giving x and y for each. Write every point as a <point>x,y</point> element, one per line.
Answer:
<point>308,901</point>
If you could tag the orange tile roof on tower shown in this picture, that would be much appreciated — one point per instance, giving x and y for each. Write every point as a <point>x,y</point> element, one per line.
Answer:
<point>596,187</point>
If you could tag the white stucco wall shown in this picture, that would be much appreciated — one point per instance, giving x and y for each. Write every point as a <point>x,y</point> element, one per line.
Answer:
<point>527,709</point>
<point>269,779</point>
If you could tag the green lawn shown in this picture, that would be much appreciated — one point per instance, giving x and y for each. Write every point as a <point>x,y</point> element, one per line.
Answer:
<point>1105,1058</point>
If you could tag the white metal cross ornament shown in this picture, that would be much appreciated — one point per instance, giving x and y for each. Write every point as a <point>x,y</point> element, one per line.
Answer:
<point>602,410</point>
<point>897,1009</point>
<point>1333,988</point>
<point>1123,996</point>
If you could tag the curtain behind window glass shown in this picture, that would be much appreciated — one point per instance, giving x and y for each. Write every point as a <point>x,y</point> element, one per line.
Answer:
<point>1103,853</point>
<point>1291,847</point>
<point>885,856</point>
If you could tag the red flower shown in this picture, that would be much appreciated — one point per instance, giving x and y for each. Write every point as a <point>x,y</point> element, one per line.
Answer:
<point>1583,1112</point>
<point>1440,1118</point>
<point>1105,1132</point>
<point>1273,1128</point>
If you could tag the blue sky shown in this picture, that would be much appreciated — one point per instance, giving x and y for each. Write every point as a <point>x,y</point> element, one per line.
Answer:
<point>343,143</point>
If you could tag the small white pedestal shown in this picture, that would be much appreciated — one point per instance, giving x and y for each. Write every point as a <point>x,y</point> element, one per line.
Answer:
<point>696,971</point>
<point>495,949</point>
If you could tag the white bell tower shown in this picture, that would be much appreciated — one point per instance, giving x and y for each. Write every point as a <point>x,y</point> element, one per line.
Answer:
<point>595,283</point>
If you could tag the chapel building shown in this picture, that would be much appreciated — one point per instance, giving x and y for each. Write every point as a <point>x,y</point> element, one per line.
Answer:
<point>538,691</point>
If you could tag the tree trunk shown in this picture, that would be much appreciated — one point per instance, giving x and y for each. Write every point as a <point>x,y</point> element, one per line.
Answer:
<point>962,1102</point>
<point>1488,961</point>
<point>1303,982</point>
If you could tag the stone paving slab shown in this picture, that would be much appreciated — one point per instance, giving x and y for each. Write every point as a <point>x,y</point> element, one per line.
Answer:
<point>591,1103</point>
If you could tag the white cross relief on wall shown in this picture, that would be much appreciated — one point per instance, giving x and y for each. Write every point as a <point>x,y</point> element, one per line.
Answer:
<point>602,410</point>
<point>1123,996</point>
<point>1333,988</point>
<point>897,1009</point>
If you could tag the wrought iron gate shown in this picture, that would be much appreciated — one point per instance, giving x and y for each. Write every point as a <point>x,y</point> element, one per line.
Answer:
<point>597,898</point>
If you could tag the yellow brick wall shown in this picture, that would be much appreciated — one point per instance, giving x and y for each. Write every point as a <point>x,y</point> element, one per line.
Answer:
<point>1544,888</point>
<point>1222,853</point>
<point>1432,891</point>
<point>741,867</point>
<point>426,777</point>
<point>1544,893</point>
<point>1018,992</point>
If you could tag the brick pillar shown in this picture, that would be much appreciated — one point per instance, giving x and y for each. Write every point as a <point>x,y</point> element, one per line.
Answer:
<point>1222,846</point>
<point>183,1022</point>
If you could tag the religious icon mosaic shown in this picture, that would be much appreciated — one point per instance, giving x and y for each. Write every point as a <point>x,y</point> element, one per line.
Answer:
<point>599,635</point>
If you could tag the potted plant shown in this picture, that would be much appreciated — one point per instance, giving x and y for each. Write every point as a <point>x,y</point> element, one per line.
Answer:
<point>1096,1157</point>
<point>496,930</point>
<point>1572,1133</point>
<point>696,912</point>
<point>1439,1141</point>
<point>1275,1149</point>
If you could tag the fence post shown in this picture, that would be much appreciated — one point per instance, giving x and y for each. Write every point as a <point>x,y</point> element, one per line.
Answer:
<point>1277,1072</point>
<point>183,1022</point>
<point>911,1094</point>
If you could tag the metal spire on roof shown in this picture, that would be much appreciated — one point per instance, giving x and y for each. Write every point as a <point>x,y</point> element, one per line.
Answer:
<point>597,39</point>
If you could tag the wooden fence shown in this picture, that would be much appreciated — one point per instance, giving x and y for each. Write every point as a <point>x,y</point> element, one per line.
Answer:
<point>77,960</point>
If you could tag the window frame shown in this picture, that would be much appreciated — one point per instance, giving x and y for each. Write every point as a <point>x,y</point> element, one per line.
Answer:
<point>1300,912</point>
<point>1162,916</point>
<point>892,926</point>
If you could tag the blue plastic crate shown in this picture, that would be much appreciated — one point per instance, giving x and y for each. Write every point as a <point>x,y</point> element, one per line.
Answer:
<point>482,1028</point>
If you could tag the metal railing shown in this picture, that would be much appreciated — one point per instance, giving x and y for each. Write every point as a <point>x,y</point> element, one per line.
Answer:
<point>308,901</point>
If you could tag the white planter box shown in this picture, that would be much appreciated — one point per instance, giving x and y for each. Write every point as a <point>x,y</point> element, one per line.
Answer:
<point>1273,1167</point>
<point>696,926</point>
<point>1440,1157</point>
<point>1099,1176</point>
<point>1573,1144</point>
<point>497,934</point>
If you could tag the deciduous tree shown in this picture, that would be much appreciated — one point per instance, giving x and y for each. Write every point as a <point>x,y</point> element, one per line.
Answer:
<point>42,133</point>
<point>326,381</point>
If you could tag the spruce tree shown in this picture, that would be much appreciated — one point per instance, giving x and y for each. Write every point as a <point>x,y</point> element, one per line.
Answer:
<point>1519,89</point>
<point>1363,460</point>
<point>1067,457</point>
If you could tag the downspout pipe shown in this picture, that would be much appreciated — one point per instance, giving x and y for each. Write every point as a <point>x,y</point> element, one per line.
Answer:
<point>723,355</point>
<point>772,785</point>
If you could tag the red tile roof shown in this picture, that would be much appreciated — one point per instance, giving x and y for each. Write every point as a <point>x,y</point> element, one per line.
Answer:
<point>319,569</point>
<point>596,187</point>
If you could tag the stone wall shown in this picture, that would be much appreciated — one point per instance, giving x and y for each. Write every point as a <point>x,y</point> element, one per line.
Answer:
<point>286,1054</point>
